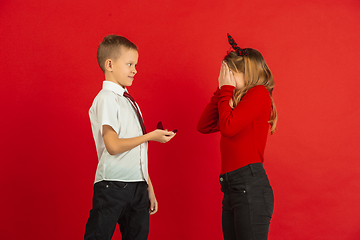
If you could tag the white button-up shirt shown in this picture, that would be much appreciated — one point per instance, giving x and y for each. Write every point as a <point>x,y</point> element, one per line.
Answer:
<point>111,108</point>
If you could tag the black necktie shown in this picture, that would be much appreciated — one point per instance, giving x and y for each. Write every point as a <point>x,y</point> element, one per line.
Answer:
<point>132,100</point>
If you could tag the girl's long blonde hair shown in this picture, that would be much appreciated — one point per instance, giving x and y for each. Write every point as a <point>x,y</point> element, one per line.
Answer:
<point>256,72</point>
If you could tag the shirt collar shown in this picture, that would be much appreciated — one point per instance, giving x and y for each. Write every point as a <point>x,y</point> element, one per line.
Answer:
<point>108,85</point>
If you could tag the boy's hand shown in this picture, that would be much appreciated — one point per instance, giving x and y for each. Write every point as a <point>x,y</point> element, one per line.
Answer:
<point>226,76</point>
<point>153,204</point>
<point>161,136</point>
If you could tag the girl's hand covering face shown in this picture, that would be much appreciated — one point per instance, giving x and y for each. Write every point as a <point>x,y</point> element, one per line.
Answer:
<point>226,76</point>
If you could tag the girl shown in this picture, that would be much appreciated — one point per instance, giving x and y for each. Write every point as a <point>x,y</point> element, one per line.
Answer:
<point>243,110</point>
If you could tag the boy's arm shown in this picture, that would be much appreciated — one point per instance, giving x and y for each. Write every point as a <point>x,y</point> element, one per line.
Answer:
<point>153,204</point>
<point>115,145</point>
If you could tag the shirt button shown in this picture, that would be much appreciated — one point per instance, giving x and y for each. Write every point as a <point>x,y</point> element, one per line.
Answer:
<point>107,186</point>
<point>221,179</point>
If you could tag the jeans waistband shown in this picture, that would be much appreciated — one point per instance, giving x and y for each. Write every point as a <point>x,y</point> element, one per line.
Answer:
<point>251,169</point>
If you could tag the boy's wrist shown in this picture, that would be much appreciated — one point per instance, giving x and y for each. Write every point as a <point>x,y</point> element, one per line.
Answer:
<point>148,136</point>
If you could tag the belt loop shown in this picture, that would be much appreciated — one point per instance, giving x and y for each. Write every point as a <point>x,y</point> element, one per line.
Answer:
<point>252,170</point>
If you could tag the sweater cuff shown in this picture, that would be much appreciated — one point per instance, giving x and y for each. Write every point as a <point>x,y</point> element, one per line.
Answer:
<point>227,90</point>
<point>215,97</point>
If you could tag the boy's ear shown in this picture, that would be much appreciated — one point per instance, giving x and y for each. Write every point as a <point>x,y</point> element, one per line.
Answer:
<point>109,65</point>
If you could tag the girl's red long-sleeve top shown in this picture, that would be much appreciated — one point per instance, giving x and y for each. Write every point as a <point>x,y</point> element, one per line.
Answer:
<point>244,129</point>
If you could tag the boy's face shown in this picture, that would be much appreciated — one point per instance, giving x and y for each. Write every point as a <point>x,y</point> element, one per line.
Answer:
<point>123,69</point>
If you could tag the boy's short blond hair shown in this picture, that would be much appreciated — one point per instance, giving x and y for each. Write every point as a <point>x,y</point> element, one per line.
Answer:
<point>109,48</point>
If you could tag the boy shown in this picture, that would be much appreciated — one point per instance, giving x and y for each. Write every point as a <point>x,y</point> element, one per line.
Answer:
<point>123,192</point>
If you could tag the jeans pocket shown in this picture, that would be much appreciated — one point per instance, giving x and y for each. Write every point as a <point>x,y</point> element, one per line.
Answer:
<point>269,200</point>
<point>238,187</point>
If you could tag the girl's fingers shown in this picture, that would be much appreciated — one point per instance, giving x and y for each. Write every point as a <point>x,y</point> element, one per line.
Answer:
<point>226,66</point>
<point>223,68</point>
<point>227,72</point>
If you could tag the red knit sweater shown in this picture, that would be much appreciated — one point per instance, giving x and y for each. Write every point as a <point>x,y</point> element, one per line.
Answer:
<point>244,129</point>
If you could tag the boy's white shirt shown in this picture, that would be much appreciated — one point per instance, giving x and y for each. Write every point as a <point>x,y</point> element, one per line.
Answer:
<point>111,108</point>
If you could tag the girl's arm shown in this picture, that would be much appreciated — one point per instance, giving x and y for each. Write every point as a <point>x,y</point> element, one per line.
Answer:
<point>252,105</point>
<point>209,120</point>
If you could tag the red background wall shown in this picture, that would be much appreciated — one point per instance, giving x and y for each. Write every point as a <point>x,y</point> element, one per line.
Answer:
<point>50,77</point>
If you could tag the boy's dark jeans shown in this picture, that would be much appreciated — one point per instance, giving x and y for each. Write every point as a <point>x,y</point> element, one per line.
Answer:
<point>248,203</point>
<point>123,203</point>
